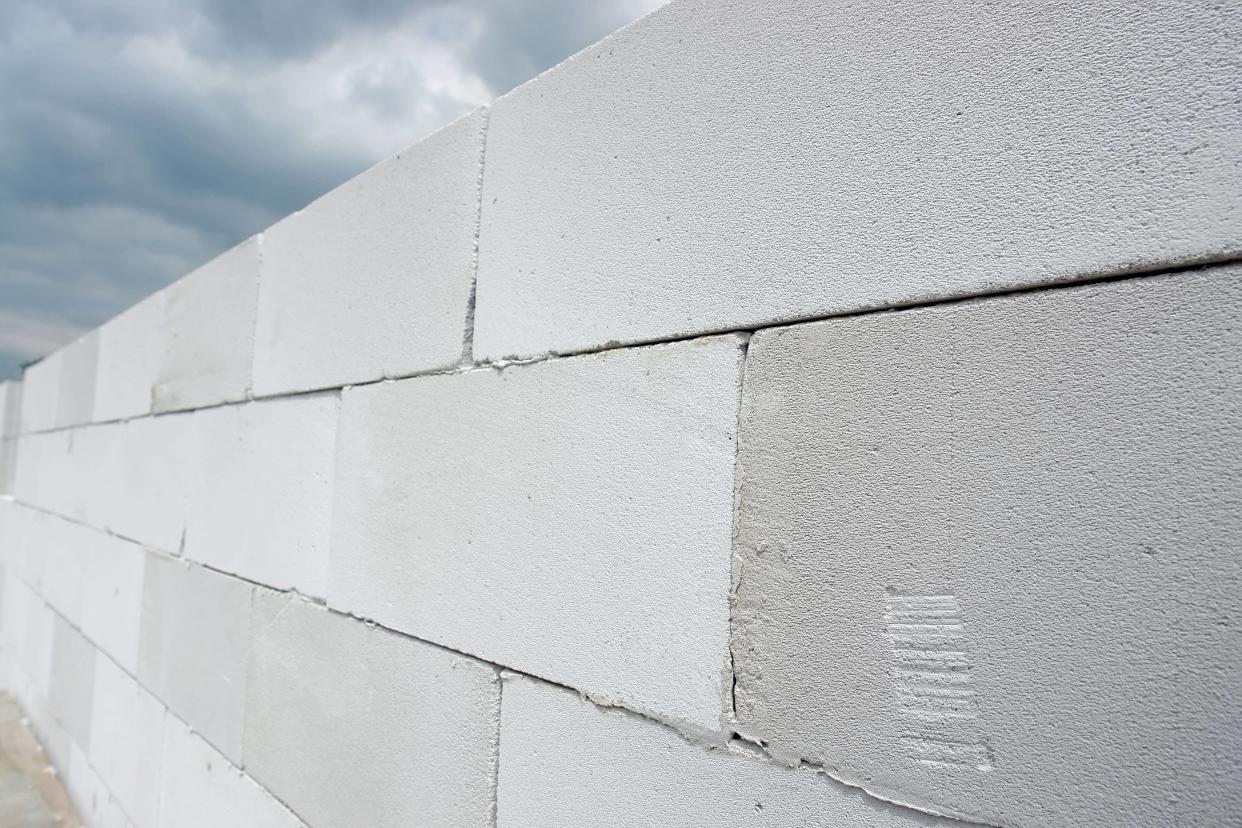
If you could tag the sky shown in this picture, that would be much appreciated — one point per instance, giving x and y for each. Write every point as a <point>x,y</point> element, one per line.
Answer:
<point>140,138</point>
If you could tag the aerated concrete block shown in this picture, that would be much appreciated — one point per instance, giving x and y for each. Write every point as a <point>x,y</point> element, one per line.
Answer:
<point>10,408</point>
<point>201,789</point>
<point>727,164</point>
<point>40,390</point>
<point>350,724</point>
<point>75,402</point>
<point>484,511</point>
<point>207,336</point>
<point>112,588</point>
<point>126,729</point>
<point>987,552</point>
<point>10,426</point>
<point>93,801</point>
<point>194,645</point>
<point>373,279</point>
<point>71,691</point>
<point>129,361</point>
<point>156,472</point>
<point>261,497</point>
<point>565,762</point>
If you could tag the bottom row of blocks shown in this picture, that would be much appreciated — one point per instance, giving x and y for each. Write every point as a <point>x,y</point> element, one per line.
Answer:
<point>335,720</point>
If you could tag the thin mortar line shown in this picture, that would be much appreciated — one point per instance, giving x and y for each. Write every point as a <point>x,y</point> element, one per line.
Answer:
<point>699,737</point>
<point>467,345</point>
<point>1138,272</point>
<point>167,711</point>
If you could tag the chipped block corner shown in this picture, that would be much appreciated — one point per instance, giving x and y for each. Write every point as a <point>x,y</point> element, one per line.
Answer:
<point>777,414</point>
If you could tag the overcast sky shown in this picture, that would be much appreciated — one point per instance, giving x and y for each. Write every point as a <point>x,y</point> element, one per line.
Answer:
<point>139,138</point>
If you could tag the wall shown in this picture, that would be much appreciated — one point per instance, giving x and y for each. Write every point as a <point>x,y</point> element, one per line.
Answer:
<point>779,413</point>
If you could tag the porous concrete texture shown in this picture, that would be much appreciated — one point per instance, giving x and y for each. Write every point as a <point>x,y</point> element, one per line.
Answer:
<point>345,718</point>
<point>10,427</point>
<point>71,687</point>
<point>126,729</point>
<point>253,463</point>
<point>75,401</point>
<point>129,361</point>
<point>96,804</point>
<point>484,510</point>
<point>404,230</point>
<point>207,334</point>
<point>40,389</point>
<point>726,164</point>
<point>194,647</point>
<point>987,552</point>
<point>576,765</point>
<point>200,789</point>
<point>844,428</point>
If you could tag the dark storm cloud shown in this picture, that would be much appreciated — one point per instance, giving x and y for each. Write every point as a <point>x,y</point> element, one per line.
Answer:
<point>139,138</point>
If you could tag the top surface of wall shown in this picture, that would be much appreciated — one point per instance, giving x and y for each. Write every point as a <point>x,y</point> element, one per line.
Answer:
<point>727,164</point>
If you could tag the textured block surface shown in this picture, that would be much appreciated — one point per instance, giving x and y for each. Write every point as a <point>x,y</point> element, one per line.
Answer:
<point>10,426</point>
<point>10,408</point>
<point>126,729</point>
<point>207,337</point>
<point>987,553</point>
<point>201,789</point>
<point>485,510</point>
<point>71,691</point>
<point>261,499</point>
<point>40,391</point>
<point>194,647</point>
<point>373,279</point>
<point>565,762</point>
<point>727,163</point>
<point>129,359</point>
<point>94,802</point>
<point>75,402</point>
<point>344,719</point>
<point>156,471</point>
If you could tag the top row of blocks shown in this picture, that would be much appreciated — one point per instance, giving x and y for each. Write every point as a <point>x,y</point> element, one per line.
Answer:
<point>719,165</point>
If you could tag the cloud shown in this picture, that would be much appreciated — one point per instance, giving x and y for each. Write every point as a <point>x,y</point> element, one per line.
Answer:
<point>141,137</point>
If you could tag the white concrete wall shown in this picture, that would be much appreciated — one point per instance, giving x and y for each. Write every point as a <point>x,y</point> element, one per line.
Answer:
<point>558,471</point>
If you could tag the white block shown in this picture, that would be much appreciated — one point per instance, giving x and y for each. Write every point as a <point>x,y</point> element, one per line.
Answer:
<point>125,744</point>
<point>730,163</point>
<point>373,279</point>
<point>75,402</point>
<point>10,427</point>
<point>64,548</point>
<point>987,552</point>
<point>77,473</point>
<point>9,516</point>
<point>71,691</point>
<point>26,534</point>
<point>156,474</point>
<point>565,762</point>
<point>112,596</point>
<point>129,358</point>
<point>350,724</point>
<point>202,789</point>
<point>28,636</point>
<point>91,578</point>
<point>207,339</point>
<point>569,519</point>
<point>10,408</point>
<point>194,643</point>
<point>8,464</point>
<point>40,391</point>
<point>261,501</point>
<point>94,802</point>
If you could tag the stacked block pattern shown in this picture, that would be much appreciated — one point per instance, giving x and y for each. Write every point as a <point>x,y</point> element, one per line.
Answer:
<point>777,414</point>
